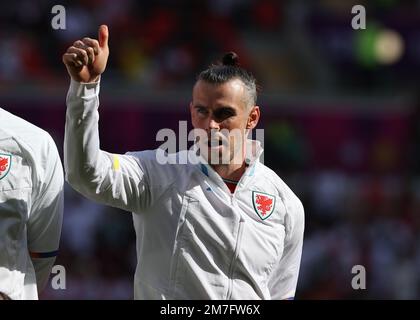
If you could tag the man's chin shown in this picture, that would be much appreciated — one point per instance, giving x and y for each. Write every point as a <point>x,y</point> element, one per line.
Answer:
<point>217,155</point>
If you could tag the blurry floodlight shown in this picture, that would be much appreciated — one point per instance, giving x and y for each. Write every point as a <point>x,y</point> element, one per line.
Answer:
<point>389,47</point>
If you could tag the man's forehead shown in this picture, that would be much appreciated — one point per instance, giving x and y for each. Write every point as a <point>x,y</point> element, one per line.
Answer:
<point>232,90</point>
<point>231,86</point>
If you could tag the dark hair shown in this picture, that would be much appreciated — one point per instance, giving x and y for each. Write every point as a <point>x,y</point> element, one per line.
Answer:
<point>229,69</point>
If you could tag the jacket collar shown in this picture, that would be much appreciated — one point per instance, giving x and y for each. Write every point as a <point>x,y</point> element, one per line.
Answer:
<point>253,152</point>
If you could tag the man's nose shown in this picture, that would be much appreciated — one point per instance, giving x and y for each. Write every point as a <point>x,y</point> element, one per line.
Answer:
<point>213,124</point>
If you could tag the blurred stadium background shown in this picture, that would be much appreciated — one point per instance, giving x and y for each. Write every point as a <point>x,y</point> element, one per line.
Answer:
<point>340,109</point>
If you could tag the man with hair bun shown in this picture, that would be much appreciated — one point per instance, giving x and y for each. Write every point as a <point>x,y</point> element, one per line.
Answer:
<point>221,226</point>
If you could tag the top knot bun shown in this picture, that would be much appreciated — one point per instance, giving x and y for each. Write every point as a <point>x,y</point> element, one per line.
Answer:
<point>230,59</point>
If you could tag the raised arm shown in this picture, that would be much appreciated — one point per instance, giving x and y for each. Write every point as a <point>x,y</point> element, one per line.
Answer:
<point>117,180</point>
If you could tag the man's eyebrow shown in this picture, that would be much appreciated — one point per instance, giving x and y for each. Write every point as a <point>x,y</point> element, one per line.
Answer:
<point>226,108</point>
<point>219,108</point>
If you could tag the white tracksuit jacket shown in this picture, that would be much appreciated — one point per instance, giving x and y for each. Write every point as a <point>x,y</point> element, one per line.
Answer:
<point>195,240</point>
<point>31,206</point>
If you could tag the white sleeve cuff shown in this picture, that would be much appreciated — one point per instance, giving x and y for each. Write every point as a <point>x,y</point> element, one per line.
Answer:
<point>84,90</point>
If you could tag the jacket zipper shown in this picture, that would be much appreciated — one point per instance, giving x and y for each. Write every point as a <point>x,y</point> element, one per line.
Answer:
<point>235,257</point>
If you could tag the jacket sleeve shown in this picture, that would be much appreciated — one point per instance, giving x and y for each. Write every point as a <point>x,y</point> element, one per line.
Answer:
<point>46,214</point>
<point>283,280</point>
<point>113,179</point>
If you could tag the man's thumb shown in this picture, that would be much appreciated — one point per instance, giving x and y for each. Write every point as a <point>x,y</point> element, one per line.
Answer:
<point>103,35</point>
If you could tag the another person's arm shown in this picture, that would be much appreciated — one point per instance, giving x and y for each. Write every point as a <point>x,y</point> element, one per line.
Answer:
<point>46,215</point>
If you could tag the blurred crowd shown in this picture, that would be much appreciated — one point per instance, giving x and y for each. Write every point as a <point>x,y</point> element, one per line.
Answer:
<point>293,45</point>
<point>153,43</point>
<point>357,175</point>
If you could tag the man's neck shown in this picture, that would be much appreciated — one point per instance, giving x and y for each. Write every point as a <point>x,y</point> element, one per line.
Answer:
<point>230,171</point>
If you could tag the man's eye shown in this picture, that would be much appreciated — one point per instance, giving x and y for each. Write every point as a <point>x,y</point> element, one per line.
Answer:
<point>202,110</point>
<point>223,114</point>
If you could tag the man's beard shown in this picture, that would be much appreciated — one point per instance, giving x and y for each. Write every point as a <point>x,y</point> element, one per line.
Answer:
<point>218,149</point>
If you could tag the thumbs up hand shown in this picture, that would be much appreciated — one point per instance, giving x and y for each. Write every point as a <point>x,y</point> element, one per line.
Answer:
<point>86,59</point>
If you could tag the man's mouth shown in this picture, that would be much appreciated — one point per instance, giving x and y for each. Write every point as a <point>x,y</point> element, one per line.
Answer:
<point>214,143</point>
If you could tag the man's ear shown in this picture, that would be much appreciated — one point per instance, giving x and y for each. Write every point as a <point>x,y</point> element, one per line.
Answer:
<point>253,118</point>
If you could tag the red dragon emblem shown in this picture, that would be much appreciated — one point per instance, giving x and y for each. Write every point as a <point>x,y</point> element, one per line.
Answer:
<point>4,165</point>
<point>263,204</point>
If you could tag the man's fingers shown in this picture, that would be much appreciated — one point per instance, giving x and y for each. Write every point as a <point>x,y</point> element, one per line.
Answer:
<point>91,54</point>
<point>71,59</point>
<point>103,36</point>
<point>78,44</point>
<point>89,50</point>
<point>92,43</point>
<point>82,54</point>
